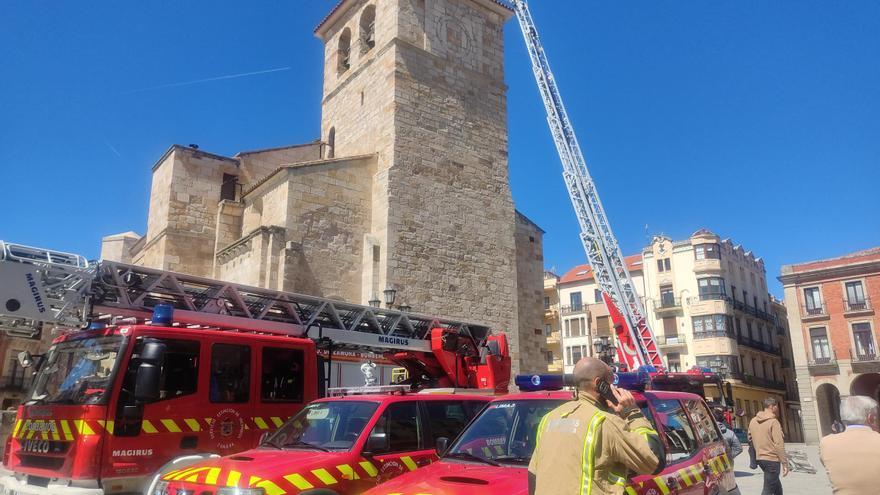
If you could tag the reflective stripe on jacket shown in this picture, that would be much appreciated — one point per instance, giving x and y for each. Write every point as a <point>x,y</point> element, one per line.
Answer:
<point>583,449</point>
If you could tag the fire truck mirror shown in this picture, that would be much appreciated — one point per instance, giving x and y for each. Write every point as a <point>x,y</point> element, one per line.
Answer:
<point>376,444</point>
<point>146,387</point>
<point>153,352</point>
<point>442,445</point>
<point>25,360</point>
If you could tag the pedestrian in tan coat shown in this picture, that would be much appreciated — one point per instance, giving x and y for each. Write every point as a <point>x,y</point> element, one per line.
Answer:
<point>853,457</point>
<point>765,433</point>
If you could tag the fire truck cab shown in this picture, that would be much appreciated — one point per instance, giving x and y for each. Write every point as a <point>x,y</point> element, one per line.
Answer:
<point>103,414</point>
<point>492,454</point>
<point>339,445</point>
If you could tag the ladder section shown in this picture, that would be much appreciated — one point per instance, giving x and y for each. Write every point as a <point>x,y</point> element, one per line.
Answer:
<point>76,292</point>
<point>599,242</point>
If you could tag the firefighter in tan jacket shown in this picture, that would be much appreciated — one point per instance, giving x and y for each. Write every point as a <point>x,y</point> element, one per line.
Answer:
<point>589,446</point>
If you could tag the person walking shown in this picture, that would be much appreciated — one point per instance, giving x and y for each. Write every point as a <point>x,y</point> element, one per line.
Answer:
<point>853,456</point>
<point>733,443</point>
<point>592,444</point>
<point>765,434</point>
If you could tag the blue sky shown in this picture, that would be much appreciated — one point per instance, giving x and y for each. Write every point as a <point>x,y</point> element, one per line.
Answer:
<point>758,120</point>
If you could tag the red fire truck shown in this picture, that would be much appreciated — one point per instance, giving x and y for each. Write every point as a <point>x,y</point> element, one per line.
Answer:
<point>163,369</point>
<point>340,445</point>
<point>492,454</point>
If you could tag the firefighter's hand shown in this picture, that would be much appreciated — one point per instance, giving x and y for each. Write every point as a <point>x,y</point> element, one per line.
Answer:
<point>625,401</point>
<point>785,469</point>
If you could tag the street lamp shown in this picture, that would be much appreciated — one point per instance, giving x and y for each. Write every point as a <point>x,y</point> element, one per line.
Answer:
<point>375,302</point>
<point>404,308</point>
<point>390,294</point>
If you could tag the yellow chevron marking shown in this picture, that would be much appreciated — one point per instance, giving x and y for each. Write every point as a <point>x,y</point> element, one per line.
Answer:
<point>213,474</point>
<point>148,427</point>
<point>65,428</point>
<point>369,468</point>
<point>277,421</point>
<point>261,424</point>
<point>630,491</point>
<point>23,429</point>
<point>193,424</point>
<point>696,472</point>
<point>209,420</point>
<point>186,472</point>
<point>348,473</point>
<point>409,462</point>
<point>685,477</point>
<point>83,428</point>
<point>193,476</point>
<point>16,428</point>
<point>56,435</point>
<point>107,425</point>
<point>254,480</point>
<point>324,476</point>
<point>298,481</point>
<point>661,485</point>
<point>270,488</point>
<point>727,463</point>
<point>170,474</point>
<point>170,425</point>
<point>232,479</point>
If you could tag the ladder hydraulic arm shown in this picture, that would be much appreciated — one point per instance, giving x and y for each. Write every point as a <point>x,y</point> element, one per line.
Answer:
<point>40,286</point>
<point>636,345</point>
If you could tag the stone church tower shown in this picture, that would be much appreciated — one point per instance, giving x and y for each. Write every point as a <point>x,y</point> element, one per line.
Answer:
<point>407,187</point>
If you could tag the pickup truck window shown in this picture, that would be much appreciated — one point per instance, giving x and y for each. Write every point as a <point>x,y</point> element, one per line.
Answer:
<point>401,427</point>
<point>448,418</point>
<point>703,421</point>
<point>332,425</point>
<point>680,437</point>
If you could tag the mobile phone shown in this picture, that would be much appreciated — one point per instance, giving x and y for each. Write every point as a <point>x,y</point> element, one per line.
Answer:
<point>606,393</point>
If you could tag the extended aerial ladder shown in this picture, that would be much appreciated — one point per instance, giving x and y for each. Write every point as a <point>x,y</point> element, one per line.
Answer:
<point>636,345</point>
<point>40,286</point>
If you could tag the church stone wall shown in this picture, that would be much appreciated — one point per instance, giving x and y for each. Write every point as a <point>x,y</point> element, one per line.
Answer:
<point>530,292</point>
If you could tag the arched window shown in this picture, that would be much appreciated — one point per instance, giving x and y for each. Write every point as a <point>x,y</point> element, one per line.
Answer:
<point>331,143</point>
<point>344,53</point>
<point>368,28</point>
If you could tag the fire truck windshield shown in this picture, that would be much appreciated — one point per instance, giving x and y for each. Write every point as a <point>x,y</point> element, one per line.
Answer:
<point>327,426</point>
<point>77,371</point>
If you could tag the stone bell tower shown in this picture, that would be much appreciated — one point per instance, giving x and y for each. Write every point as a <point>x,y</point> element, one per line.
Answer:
<point>420,84</point>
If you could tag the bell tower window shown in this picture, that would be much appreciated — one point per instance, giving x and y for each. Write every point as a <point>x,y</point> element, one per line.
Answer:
<point>368,28</point>
<point>344,52</point>
<point>331,143</point>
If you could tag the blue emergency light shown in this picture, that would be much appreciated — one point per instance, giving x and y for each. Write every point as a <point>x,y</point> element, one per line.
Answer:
<point>163,314</point>
<point>635,380</point>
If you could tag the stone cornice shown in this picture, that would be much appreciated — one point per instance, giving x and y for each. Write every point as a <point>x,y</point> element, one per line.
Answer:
<point>830,273</point>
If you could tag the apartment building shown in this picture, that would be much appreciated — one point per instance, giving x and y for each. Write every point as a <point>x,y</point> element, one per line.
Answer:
<point>834,333</point>
<point>583,317</point>
<point>551,323</point>
<point>706,300</point>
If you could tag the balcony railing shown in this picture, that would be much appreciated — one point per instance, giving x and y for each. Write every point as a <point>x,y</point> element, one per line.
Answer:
<point>857,305</point>
<point>713,334</point>
<point>670,340</point>
<point>713,296</point>
<point>668,303</point>
<point>814,311</point>
<point>864,357</point>
<point>763,382</point>
<point>757,344</point>
<point>865,362</point>
<point>572,309</point>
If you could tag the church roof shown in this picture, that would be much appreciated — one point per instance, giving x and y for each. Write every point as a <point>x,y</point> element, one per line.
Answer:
<point>339,5</point>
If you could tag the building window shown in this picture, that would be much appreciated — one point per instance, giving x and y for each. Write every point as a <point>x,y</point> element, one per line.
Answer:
<point>750,329</point>
<point>667,296</point>
<point>707,252</point>
<point>673,361</point>
<point>368,28</point>
<point>710,326</point>
<point>864,341</point>
<point>603,326</point>
<point>549,356</point>
<point>538,331</point>
<point>548,329</point>
<point>343,53</point>
<point>546,302</point>
<point>733,293</point>
<point>738,327</point>
<point>229,187</point>
<point>855,296</point>
<point>597,296</point>
<point>711,288</point>
<point>574,354</point>
<point>663,265</point>
<point>820,346</point>
<point>812,301</point>
<point>577,302</point>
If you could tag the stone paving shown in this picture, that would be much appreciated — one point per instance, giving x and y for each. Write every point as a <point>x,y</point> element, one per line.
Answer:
<point>800,483</point>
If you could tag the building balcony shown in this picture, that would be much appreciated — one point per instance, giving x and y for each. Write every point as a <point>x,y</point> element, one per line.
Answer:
<point>708,265</point>
<point>756,381</point>
<point>670,340</point>
<point>857,307</point>
<point>713,296</point>
<point>757,344</point>
<point>556,366</point>
<point>572,310</point>
<point>667,305</point>
<point>553,337</point>
<point>824,366</point>
<point>865,362</point>
<point>811,313</point>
